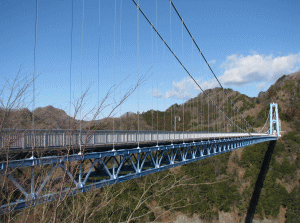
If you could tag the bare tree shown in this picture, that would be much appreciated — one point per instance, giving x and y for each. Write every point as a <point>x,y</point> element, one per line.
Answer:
<point>107,202</point>
<point>13,96</point>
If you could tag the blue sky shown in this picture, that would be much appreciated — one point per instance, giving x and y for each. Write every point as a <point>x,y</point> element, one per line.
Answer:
<point>249,44</point>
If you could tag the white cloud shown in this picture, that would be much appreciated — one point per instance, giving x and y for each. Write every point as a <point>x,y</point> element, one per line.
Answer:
<point>209,84</point>
<point>182,89</point>
<point>186,88</point>
<point>211,62</point>
<point>257,68</point>
<point>260,86</point>
<point>155,93</point>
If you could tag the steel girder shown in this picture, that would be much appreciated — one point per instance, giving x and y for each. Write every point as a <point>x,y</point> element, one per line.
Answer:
<point>49,178</point>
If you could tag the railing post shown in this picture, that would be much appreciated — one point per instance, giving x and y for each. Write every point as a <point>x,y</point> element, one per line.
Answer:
<point>23,142</point>
<point>45,140</point>
<point>79,139</point>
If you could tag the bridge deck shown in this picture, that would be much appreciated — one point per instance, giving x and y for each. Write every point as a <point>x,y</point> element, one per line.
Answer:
<point>22,139</point>
<point>104,168</point>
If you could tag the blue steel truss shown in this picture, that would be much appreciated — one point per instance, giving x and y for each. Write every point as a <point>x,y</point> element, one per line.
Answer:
<point>85,172</point>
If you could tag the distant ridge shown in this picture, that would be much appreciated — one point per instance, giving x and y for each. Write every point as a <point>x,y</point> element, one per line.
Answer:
<point>285,91</point>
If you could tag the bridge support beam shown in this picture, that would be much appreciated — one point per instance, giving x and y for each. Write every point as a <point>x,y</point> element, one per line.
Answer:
<point>103,168</point>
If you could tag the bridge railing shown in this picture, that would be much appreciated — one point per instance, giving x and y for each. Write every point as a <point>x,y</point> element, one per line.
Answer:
<point>42,176</point>
<point>62,138</point>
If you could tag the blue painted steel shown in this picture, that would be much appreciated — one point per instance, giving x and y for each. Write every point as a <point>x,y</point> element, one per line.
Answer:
<point>275,127</point>
<point>106,168</point>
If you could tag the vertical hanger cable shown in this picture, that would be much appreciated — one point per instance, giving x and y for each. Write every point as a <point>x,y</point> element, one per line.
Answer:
<point>98,96</point>
<point>138,69</point>
<point>33,77</point>
<point>114,104</point>
<point>71,60</point>
<point>81,65</point>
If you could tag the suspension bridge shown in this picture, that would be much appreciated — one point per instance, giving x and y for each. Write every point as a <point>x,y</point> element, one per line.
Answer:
<point>96,158</point>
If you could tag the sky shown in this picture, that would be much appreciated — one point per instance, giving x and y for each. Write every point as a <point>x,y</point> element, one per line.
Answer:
<point>106,46</point>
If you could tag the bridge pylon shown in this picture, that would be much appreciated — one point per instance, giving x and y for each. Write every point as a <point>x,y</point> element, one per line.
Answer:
<point>275,125</point>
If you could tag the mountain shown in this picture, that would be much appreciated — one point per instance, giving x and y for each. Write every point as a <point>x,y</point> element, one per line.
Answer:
<point>255,110</point>
<point>44,118</point>
<point>220,188</point>
<point>197,114</point>
<point>216,189</point>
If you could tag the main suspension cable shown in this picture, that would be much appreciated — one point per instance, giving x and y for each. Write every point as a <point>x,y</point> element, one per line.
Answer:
<point>138,7</point>
<point>206,61</point>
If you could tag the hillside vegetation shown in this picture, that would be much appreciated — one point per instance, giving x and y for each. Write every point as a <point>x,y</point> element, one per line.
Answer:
<point>215,188</point>
<point>193,113</point>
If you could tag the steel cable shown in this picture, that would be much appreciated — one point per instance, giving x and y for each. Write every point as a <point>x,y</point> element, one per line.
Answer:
<point>206,61</point>
<point>33,79</point>
<point>183,65</point>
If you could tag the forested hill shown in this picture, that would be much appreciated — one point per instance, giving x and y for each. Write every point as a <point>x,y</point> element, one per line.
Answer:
<point>285,92</point>
<point>216,189</point>
<point>220,188</point>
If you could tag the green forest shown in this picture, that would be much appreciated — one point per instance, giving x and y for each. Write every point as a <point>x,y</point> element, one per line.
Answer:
<point>206,188</point>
